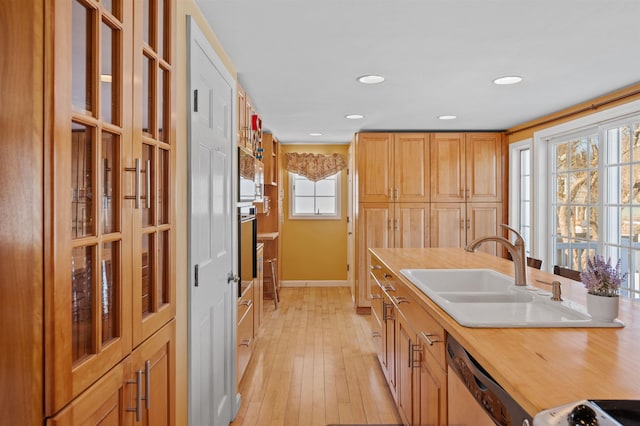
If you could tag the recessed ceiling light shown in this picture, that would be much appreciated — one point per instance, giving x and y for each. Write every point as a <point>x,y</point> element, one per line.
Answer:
<point>315,134</point>
<point>371,79</point>
<point>447,117</point>
<point>354,116</point>
<point>511,79</point>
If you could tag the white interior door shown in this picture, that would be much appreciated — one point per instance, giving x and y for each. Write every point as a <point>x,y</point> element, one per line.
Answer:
<point>211,294</point>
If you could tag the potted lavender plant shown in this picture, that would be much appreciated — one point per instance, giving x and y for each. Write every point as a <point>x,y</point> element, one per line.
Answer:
<point>602,281</point>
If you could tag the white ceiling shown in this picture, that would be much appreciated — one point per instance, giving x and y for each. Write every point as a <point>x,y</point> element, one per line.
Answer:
<point>298,60</point>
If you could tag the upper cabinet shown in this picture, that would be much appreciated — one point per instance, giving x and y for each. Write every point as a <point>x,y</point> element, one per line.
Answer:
<point>466,167</point>
<point>393,167</point>
<point>270,159</point>
<point>112,235</point>
<point>249,131</point>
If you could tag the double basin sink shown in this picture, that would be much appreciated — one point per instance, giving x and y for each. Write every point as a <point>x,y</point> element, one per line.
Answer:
<point>486,298</point>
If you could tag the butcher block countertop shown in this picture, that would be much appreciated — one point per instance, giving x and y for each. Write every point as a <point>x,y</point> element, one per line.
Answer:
<point>539,367</point>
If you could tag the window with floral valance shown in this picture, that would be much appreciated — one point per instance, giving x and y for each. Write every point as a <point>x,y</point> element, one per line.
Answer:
<point>314,167</point>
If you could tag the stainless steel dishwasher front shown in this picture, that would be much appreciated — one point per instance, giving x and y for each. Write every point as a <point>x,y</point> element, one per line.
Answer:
<point>474,397</point>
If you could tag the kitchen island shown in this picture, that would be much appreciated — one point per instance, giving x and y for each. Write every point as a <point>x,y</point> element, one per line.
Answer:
<point>539,367</point>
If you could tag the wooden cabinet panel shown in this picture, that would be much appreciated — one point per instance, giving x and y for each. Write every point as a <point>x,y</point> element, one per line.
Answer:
<point>484,219</point>
<point>375,167</point>
<point>411,225</point>
<point>448,167</point>
<point>484,167</point>
<point>389,336</point>
<point>373,231</point>
<point>430,390</point>
<point>411,167</point>
<point>448,224</point>
<point>376,320</point>
<point>404,385</point>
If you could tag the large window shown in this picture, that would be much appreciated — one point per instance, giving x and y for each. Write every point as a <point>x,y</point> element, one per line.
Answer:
<point>520,206</point>
<point>314,200</point>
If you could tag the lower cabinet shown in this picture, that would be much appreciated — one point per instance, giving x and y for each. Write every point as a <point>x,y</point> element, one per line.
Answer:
<point>140,390</point>
<point>411,351</point>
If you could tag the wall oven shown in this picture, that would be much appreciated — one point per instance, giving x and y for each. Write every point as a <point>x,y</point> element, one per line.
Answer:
<point>246,175</point>
<point>247,242</point>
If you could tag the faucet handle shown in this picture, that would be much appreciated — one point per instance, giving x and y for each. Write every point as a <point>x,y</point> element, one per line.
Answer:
<point>518,236</point>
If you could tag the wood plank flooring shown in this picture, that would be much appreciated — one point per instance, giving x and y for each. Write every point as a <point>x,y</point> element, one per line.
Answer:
<point>314,364</point>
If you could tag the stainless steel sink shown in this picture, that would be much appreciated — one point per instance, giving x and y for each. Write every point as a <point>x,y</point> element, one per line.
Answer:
<point>486,298</point>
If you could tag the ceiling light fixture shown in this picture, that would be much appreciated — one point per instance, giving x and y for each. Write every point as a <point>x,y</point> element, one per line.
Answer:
<point>511,79</point>
<point>371,79</point>
<point>315,134</point>
<point>447,117</point>
<point>354,116</point>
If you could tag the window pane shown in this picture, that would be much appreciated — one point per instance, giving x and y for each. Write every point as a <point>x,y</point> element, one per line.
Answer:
<point>162,81</point>
<point>562,156</point>
<point>326,188</point>
<point>163,268</point>
<point>326,205</point>
<point>146,191</point>
<point>304,205</point>
<point>109,283</point>
<point>110,167</point>
<point>163,186</point>
<point>82,152</point>
<point>146,19</point>
<point>525,161</point>
<point>147,88</point>
<point>81,302</point>
<point>107,84</point>
<point>304,187</point>
<point>578,154</point>
<point>578,187</point>
<point>161,26</point>
<point>147,273</point>
<point>81,45</point>
<point>624,184</point>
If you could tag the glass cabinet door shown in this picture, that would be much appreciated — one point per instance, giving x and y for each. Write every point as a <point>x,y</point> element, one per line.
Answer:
<point>153,222</point>
<point>88,327</point>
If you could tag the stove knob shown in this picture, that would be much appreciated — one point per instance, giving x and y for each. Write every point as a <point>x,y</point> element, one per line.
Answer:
<point>582,415</point>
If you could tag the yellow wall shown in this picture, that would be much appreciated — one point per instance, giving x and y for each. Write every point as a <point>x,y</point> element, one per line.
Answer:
<point>619,97</point>
<point>314,249</point>
<point>184,8</point>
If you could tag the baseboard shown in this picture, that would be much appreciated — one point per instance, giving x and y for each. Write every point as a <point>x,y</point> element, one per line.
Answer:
<point>313,283</point>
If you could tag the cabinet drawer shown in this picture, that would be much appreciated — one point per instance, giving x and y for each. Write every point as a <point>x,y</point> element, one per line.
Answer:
<point>423,323</point>
<point>245,303</point>
<point>245,341</point>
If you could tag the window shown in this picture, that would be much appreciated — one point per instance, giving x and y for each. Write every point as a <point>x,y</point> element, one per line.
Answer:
<point>314,200</point>
<point>585,191</point>
<point>520,191</point>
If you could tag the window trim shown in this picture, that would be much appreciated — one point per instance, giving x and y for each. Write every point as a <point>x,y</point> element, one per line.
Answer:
<point>515,185</point>
<point>307,216</point>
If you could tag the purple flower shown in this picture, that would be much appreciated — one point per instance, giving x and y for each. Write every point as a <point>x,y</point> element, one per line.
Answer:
<point>602,279</point>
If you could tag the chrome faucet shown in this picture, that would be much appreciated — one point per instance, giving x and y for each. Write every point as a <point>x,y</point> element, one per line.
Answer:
<point>516,250</point>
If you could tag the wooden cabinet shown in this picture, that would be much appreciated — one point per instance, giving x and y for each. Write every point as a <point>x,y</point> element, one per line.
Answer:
<point>249,130</point>
<point>270,159</point>
<point>410,345</point>
<point>393,195</point>
<point>111,237</point>
<point>466,167</point>
<point>138,390</point>
<point>457,224</point>
<point>258,290</point>
<point>393,167</point>
<point>245,331</point>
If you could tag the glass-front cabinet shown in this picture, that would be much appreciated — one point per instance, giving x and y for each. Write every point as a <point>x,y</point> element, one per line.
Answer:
<point>112,161</point>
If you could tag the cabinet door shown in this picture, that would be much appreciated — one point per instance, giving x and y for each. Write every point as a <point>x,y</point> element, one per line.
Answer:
<point>375,167</point>
<point>88,224</point>
<point>411,225</point>
<point>243,127</point>
<point>258,290</point>
<point>153,372</point>
<point>103,404</point>
<point>430,392</point>
<point>374,230</point>
<point>448,167</point>
<point>448,225</point>
<point>484,167</point>
<point>389,313</point>
<point>376,320</point>
<point>153,241</point>
<point>405,366</point>
<point>484,220</point>
<point>411,167</point>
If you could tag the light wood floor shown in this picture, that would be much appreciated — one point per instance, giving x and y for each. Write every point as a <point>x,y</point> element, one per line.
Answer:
<point>314,364</point>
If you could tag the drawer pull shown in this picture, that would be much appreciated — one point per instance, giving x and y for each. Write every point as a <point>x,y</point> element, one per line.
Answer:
<point>376,334</point>
<point>400,300</point>
<point>375,296</point>
<point>245,342</point>
<point>372,267</point>
<point>428,338</point>
<point>387,276</point>
<point>247,303</point>
<point>389,288</point>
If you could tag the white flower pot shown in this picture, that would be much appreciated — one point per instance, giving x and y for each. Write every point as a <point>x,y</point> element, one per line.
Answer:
<point>602,308</point>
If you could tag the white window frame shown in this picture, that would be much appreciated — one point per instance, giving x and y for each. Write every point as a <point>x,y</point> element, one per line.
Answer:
<point>314,216</point>
<point>542,216</point>
<point>515,205</point>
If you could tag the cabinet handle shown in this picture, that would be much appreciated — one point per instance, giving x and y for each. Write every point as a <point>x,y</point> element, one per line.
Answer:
<point>246,303</point>
<point>415,360</point>
<point>148,183</point>
<point>147,383</point>
<point>428,338</point>
<point>386,316</point>
<point>138,407</point>
<point>387,276</point>
<point>400,299</point>
<point>389,288</point>
<point>245,342</point>
<point>136,197</point>
<point>372,267</point>
<point>376,334</point>
<point>374,296</point>
<point>397,193</point>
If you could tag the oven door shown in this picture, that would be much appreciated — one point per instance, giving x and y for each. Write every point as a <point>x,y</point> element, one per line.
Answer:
<point>247,241</point>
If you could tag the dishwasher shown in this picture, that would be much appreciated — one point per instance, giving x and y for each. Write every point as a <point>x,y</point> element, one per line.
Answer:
<point>474,397</point>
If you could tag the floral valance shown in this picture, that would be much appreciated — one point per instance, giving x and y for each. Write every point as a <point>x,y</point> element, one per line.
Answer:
<point>314,166</point>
